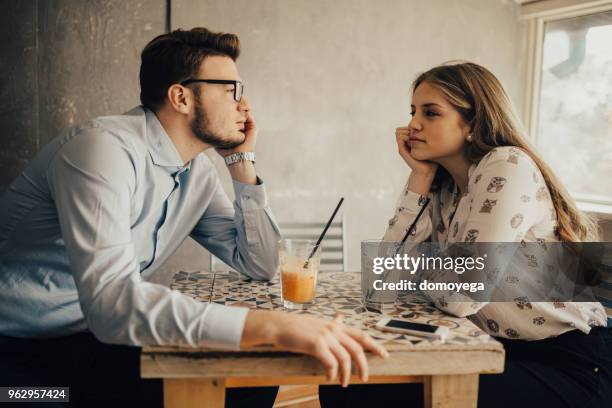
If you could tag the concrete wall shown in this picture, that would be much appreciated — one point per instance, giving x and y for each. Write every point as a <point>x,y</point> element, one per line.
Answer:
<point>329,83</point>
<point>18,87</point>
<point>63,62</point>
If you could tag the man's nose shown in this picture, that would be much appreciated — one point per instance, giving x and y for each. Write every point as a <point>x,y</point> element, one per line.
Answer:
<point>244,104</point>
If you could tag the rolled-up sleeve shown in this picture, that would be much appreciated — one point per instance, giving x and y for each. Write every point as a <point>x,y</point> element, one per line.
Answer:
<point>243,235</point>
<point>92,195</point>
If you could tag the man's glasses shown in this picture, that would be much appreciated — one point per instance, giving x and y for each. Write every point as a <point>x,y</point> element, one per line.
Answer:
<point>238,87</point>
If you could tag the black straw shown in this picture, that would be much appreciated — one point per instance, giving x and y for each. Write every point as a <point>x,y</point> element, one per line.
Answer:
<point>413,225</point>
<point>314,249</point>
<point>401,244</point>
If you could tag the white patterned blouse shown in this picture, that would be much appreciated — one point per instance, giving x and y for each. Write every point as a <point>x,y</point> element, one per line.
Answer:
<point>507,201</point>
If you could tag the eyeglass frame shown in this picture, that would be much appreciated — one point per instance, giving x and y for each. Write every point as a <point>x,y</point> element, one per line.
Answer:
<point>237,85</point>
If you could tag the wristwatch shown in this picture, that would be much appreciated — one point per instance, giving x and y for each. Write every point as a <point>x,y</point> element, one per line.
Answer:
<point>240,156</point>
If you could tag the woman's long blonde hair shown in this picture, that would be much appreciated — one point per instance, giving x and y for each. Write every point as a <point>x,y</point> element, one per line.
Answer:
<point>481,101</point>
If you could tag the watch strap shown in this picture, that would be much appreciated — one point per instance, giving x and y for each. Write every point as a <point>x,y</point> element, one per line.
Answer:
<point>239,157</point>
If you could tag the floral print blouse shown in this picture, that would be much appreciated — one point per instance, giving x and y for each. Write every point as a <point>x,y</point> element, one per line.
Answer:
<point>507,201</point>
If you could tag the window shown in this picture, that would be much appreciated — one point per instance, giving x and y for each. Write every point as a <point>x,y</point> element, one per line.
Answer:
<point>571,106</point>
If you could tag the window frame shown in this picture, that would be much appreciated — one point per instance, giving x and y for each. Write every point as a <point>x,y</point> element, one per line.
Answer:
<point>537,14</point>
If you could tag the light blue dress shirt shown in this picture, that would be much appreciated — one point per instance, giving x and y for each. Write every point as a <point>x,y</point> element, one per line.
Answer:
<point>101,207</point>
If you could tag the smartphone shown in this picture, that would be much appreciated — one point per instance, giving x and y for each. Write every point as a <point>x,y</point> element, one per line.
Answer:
<point>412,328</point>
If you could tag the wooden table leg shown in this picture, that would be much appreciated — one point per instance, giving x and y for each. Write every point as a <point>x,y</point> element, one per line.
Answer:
<point>194,392</point>
<point>452,391</point>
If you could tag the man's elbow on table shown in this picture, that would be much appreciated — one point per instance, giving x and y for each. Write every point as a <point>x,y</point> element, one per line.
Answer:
<point>108,316</point>
<point>259,268</point>
<point>259,273</point>
<point>102,327</point>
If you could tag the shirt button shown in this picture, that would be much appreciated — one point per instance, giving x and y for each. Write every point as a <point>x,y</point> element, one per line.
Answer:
<point>596,369</point>
<point>246,197</point>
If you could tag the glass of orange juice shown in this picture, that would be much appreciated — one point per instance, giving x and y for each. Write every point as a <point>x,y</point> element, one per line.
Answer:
<point>298,278</point>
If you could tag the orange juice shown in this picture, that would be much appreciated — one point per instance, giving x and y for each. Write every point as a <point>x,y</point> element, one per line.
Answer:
<point>298,285</point>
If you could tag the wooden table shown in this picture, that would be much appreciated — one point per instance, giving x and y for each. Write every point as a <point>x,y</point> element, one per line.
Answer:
<point>449,371</point>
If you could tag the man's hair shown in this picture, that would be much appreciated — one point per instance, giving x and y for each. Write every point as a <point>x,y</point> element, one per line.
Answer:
<point>175,56</point>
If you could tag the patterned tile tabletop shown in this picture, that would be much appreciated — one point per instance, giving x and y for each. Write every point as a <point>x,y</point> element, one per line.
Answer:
<point>337,292</point>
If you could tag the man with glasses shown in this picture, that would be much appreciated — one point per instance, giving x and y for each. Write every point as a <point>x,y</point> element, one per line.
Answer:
<point>103,205</point>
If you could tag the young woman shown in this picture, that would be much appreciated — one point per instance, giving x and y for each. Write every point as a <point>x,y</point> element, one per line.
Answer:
<point>486,183</point>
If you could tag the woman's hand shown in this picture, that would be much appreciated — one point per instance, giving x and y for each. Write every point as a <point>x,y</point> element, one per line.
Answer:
<point>421,167</point>
<point>332,343</point>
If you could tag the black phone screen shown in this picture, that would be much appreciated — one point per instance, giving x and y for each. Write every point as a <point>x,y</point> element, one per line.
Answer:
<point>400,324</point>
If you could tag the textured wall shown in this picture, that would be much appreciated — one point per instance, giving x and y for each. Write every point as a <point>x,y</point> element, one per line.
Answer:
<point>18,87</point>
<point>66,61</point>
<point>329,82</point>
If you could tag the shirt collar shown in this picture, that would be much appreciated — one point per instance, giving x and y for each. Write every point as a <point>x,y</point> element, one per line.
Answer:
<point>471,170</point>
<point>454,188</point>
<point>162,149</point>
<point>470,173</point>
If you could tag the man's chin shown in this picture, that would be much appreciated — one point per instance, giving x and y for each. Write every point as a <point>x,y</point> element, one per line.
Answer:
<point>238,138</point>
<point>230,143</point>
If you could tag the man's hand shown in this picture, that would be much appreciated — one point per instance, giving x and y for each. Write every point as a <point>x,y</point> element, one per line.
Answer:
<point>250,138</point>
<point>332,343</point>
<point>244,172</point>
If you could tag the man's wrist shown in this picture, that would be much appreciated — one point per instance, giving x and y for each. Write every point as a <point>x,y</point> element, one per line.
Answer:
<point>258,329</point>
<point>243,172</point>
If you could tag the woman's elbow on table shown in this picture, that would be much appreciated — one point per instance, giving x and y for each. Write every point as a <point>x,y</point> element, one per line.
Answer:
<point>460,309</point>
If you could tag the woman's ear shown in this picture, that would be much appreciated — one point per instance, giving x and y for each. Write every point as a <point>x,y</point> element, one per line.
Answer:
<point>469,131</point>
